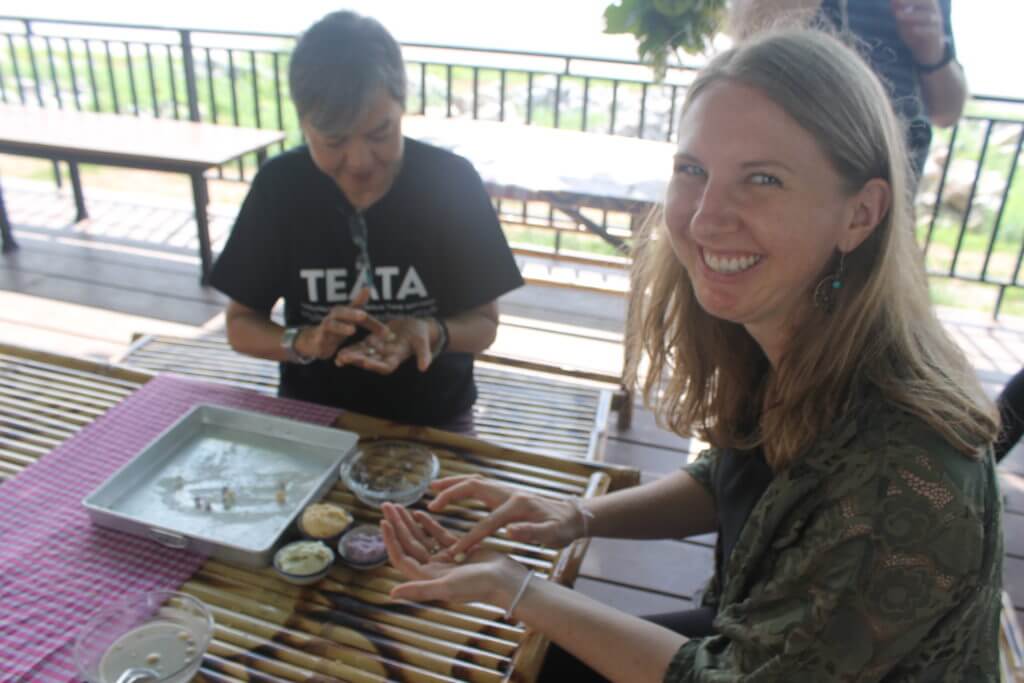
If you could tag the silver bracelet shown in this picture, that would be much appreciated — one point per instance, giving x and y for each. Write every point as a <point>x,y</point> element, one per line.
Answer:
<point>519,596</point>
<point>585,515</point>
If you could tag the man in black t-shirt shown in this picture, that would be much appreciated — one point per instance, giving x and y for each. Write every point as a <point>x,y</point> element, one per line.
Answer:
<point>387,251</point>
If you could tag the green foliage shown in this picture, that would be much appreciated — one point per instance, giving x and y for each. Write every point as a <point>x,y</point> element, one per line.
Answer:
<point>663,27</point>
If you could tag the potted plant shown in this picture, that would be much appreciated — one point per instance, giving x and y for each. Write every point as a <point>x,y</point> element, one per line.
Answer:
<point>663,27</point>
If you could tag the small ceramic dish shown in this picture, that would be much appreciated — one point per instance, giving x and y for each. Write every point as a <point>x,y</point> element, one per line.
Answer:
<point>324,522</point>
<point>303,562</point>
<point>396,472</point>
<point>362,547</point>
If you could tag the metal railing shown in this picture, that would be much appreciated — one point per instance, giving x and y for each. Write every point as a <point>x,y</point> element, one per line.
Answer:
<point>970,208</point>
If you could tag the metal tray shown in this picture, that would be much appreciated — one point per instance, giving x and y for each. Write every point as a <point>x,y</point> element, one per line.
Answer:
<point>273,467</point>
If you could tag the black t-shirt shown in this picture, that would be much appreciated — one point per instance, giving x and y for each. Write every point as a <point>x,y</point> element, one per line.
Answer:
<point>436,248</point>
<point>741,479</point>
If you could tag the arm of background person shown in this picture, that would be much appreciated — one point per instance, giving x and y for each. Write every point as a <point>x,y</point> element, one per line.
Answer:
<point>945,94</point>
<point>925,27</point>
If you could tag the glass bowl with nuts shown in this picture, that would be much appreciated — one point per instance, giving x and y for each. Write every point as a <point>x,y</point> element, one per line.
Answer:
<point>389,471</point>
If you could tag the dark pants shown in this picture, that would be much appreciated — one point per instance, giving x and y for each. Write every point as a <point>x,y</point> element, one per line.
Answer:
<point>560,666</point>
<point>1011,411</point>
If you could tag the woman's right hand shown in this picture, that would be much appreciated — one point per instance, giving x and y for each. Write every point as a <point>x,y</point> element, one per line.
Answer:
<point>528,518</point>
<point>322,340</point>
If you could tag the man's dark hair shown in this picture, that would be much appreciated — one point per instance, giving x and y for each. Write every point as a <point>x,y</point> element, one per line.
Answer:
<point>337,66</point>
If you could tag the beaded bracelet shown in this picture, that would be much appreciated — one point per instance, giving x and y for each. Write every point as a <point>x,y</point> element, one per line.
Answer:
<point>519,595</point>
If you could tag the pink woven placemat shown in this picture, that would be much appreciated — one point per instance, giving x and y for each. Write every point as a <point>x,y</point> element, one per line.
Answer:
<point>56,568</point>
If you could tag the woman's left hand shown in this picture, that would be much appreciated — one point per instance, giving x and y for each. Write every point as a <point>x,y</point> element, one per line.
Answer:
<point>416,546</point>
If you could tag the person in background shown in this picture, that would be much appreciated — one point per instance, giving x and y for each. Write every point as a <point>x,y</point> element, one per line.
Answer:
<point>909,44</point>
<point>785,312</point>
<point>1011,412</point>
<point>386,251</point>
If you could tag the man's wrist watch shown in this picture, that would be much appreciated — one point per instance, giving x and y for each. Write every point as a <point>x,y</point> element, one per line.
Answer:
<point>946,58</point>
<point>291,334</point>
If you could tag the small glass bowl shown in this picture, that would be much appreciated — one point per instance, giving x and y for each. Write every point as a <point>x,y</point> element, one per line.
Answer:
<point>164,631</point>
<point>313,509</point>
<point>308,578</point>
<point>362,547</point>
<point>396,472</point>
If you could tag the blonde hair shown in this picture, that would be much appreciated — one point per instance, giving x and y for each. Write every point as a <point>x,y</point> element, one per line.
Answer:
<point>714,379</point>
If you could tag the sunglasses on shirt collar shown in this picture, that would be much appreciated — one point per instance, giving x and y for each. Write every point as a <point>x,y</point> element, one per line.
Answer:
<point>358,232</point>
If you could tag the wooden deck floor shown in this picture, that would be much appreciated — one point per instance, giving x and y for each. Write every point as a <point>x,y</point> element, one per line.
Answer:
<point>85,289</point>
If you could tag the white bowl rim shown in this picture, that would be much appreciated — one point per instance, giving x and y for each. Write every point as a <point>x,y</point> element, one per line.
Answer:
<point>327,567</point>
<point>124,601</point>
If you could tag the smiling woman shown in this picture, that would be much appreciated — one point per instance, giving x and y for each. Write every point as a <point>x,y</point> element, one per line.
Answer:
<point>756,222</point>
<point>783,306</point>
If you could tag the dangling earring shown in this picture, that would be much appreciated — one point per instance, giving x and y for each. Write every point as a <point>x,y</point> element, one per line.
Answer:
<point>827,291</point>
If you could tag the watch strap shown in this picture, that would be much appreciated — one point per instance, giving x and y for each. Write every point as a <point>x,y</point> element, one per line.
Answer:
<point>947,57</point>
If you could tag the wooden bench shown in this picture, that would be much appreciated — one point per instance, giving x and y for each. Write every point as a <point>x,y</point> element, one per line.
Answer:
<point>518,407</point>
<point>127,141</point>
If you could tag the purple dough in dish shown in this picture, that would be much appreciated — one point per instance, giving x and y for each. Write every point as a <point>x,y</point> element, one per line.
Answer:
<point>363,546</point>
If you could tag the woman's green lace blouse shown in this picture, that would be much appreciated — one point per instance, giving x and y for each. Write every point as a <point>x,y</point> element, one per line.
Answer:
<point>875,557</point>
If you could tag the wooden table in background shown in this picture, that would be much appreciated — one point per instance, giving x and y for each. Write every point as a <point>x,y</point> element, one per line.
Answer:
<point>132,142</point>
<point>570,170</point>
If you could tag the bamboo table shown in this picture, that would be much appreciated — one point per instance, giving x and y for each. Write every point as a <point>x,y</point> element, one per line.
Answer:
<point>346,627</point>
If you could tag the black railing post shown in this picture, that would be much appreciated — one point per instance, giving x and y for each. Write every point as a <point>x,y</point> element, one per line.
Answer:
<point>423,88</point>
<point>1003,201</point>
<point>191,92</point>
<point>17,71</point>
<point>32,63</point>
<point>970,199</point>
<point>937,206</point>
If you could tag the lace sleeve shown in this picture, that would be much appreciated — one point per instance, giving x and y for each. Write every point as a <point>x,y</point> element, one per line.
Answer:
<point>851,589</point>
<point>703,468</point>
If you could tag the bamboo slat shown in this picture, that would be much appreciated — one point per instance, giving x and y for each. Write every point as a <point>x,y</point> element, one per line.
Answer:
<point>346,627</point>
<point>521,408</point>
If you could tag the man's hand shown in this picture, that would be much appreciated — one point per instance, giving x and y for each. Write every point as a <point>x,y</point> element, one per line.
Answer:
<point>340,323</point>
<point>383,352</point>
<point>921,28</point>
